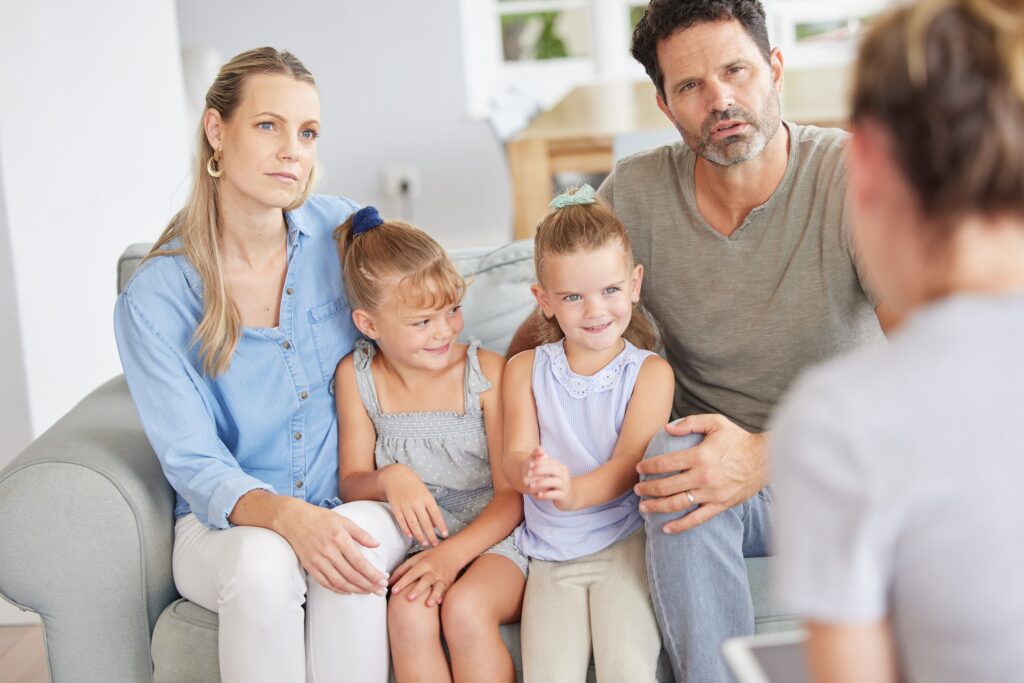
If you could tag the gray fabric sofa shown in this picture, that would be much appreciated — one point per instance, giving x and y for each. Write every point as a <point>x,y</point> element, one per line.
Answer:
<point>87,520</point>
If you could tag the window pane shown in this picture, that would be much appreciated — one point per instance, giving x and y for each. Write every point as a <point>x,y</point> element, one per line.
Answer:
<point>635,14</point>
<point>832,31</point>
<point>545,35</point>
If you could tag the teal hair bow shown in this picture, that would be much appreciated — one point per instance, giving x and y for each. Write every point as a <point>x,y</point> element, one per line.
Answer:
<point>584,194</point>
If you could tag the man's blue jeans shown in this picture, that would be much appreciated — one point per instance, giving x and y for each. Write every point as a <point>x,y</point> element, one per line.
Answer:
<point>699,579</point>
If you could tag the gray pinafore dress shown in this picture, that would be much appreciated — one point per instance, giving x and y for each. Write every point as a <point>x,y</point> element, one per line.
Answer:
<point>448,450</point>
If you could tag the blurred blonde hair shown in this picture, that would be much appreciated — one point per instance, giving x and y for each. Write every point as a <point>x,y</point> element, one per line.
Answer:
<point>197,224</point>
<point>946,78</point>
<point>584,228</point>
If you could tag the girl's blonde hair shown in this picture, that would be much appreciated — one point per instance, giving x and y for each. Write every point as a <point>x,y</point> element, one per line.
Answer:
<point>584,228</point>
<point>197,225</point>
<point>946,78</point>
<point>395,251</point>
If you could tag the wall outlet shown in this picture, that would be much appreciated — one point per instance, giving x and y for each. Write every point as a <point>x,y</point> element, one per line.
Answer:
<point>402,181</point>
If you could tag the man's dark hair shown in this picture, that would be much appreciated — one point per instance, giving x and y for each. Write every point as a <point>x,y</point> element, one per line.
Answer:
<point>663,18</point>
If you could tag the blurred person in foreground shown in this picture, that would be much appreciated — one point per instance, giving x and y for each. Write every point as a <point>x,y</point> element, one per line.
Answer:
<point>898,467</point>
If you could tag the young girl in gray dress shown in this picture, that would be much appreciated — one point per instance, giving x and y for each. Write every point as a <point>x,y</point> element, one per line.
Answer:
<point>419,417</point>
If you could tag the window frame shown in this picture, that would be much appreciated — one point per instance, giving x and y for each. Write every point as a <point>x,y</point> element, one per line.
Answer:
<point>488,75</point>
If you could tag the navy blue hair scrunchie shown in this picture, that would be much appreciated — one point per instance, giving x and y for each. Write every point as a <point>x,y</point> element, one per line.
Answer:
<point>365,219</point>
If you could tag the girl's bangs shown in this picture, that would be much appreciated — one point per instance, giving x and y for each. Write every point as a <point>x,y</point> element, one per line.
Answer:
<point>433,287</point>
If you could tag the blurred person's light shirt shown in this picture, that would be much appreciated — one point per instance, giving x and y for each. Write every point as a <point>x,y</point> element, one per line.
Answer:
<point>898,475</point>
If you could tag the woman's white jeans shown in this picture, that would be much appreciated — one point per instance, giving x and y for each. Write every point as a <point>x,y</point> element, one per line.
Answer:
<point>277,624</point>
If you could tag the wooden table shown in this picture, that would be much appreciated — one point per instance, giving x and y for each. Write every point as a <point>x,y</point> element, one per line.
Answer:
<point>578,133</point>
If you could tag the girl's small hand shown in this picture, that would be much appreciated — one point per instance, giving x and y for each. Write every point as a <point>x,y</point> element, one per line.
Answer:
<point>413,506</point>
<point>548,479</point>
<point>537,455</point>
<point>433,570</point>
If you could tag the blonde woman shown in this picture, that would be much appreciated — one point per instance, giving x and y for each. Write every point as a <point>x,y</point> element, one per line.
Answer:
<point>899,468</point>
<point>229,334</point>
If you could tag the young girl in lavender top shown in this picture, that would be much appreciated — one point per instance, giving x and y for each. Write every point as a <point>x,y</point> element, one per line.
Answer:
<point>579,412</point>
<point>420,424</point>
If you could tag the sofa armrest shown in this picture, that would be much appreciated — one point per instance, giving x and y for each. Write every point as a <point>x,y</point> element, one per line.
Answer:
<point>86,539</point>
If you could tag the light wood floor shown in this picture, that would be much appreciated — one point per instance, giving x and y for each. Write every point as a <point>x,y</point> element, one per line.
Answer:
<point>22,655</point>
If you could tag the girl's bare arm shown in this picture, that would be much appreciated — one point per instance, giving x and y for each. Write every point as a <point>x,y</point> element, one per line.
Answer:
<point>847,653</point>
<point>521,431</point>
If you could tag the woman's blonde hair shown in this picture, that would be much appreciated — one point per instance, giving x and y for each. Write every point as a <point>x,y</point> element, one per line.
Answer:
<point>197,225</point>
<point>946,78</point>
<point>396,253</point>
<point>584,228</point>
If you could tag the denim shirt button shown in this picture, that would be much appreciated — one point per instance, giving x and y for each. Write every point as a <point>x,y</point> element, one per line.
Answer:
<point>289,291</point>
<point>298,484</point>
<point>287,345</point>
<point>303,394</point>
<point>297,435</point>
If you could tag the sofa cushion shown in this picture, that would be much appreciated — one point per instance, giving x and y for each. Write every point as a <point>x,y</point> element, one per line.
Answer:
<point>129,261</point>
<point>185,636</point>
<point>498,298</point>
<point>185,645</point>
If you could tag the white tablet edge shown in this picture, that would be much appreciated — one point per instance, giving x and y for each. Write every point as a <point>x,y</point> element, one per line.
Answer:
<point>738,653</point>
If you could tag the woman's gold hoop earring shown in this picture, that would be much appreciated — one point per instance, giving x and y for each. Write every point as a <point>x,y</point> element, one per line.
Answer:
<point>210,169</point>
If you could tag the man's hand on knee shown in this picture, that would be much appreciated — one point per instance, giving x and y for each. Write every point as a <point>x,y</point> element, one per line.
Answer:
<point>725,469</point>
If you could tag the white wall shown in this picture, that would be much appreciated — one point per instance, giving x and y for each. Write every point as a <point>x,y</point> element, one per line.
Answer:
<point>93,148</point>
<point>392,92</point>
<point>95,141</point>
<point>15,427</point>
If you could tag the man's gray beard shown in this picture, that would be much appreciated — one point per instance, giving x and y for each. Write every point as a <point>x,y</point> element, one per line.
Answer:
<point>735,150</point>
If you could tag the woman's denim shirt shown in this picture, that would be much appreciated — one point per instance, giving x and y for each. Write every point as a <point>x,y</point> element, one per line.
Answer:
<point>269,422</point>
